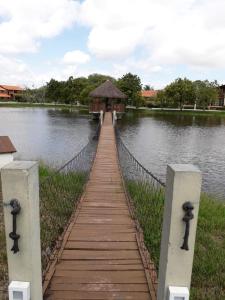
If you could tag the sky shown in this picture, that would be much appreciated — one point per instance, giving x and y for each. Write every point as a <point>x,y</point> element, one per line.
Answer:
<point>159,40</point>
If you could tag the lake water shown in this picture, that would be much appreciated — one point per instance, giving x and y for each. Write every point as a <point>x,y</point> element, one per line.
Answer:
<point>160,140</point>
<point>50,135</point>
<point>55,136</point>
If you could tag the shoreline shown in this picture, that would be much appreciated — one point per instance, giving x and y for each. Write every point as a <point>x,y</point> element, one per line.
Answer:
<point>173,111</point>
<point>42,105</point>
<point>144,111</point>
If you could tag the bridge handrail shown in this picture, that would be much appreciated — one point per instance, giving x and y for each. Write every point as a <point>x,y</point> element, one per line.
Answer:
<point>140,165</point>
<point>90,140</point>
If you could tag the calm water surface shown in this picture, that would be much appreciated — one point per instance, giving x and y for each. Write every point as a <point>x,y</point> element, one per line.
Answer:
<point>159,140</point>
<point>55,136</point>
<point>50,135</point>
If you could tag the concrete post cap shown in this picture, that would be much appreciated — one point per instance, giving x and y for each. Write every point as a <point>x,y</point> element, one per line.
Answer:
<point>6,146</point>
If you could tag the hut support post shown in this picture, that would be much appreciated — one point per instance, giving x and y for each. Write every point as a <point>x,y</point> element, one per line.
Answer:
<point>101,117</point>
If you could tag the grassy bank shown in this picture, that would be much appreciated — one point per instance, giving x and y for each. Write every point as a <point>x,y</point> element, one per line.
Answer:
<point>208,278</point>
<point>43,105</point>
<point>170,112</point>
<point>59,193</point>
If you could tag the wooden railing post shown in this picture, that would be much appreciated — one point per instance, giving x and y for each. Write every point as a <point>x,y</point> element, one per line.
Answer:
<point>101,117</point>
<point>114,117</point>
<point>183,187</point>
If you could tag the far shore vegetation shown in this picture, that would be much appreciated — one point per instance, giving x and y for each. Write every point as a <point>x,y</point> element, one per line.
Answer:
<point>141,111</point>
<point>182,93</point>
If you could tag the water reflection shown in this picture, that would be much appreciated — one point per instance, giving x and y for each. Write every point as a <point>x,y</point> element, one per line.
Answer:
<point>162,139</point>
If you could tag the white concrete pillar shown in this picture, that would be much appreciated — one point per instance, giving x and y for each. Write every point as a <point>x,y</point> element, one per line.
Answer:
<point>183,184</point>
<point>20,181</point>
<point>7,151</point>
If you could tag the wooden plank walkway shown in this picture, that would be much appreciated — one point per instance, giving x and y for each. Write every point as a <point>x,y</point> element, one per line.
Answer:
<point>101,258</point>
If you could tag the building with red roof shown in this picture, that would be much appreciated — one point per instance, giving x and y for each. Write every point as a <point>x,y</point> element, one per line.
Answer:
<point>149,94</point>
<point>149,97</point>
<point>10,92</point>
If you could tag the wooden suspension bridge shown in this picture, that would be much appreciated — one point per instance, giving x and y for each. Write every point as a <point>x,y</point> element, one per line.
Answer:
<point>101,254</point>
<point>101,257</point>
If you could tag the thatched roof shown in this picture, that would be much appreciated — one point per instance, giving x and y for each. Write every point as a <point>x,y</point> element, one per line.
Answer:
<point>107,90</point>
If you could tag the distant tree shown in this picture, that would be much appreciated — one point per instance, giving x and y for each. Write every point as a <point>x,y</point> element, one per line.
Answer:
<point>130,84</point>
<point>54,90</point>
<point>161,99</point>
<point>206,93</point>
<point>79,85</point>
<point>180,92</point>
<point>35,95</point>
<point>148,87</point>
<point>84,96</point>
<point>97,79</point>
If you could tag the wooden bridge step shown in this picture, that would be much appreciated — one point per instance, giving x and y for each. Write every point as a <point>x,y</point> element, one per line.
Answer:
<point>70,295</point>
<point>102,245</point>
<point>120,276</point>
<point>97,267</point>
<point>94,254</point>
<point>102,232</point>
<point>104,220</point>
<point>110,287</point>
<point>93,211</point>
<point>103,237</point>
<point>110,262</point>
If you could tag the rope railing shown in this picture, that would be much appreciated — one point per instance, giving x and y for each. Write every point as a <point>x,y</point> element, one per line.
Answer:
<point>59,194</point>
<point>146,193</point>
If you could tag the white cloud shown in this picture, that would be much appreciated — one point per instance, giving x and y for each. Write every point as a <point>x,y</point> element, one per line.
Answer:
<point>174,32</point>
<point>26,22</point>
<point>75,57</point>
<point>141,36</point>
<point>13,71</point>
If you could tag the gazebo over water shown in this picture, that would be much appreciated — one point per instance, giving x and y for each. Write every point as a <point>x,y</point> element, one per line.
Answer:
<point>107,97</point>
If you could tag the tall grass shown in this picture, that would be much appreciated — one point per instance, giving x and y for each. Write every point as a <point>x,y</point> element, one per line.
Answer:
<point>208,276</point>
<point>148,203</point>
<point>59,193</point>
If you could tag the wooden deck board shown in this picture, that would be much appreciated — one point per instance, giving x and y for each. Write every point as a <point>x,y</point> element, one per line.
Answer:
<point>71,295</point>
<point>101,258</point>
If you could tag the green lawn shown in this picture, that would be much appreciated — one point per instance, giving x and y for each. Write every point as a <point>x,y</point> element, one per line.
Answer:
<point>208,278</point>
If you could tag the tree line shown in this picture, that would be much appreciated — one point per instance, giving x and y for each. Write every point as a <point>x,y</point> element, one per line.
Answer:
<point>177,94</point>
<point>76,90</point>
<point>183,92</point>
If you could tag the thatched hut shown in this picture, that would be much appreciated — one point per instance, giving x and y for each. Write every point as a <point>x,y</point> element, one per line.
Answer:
<point>107,97</point>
